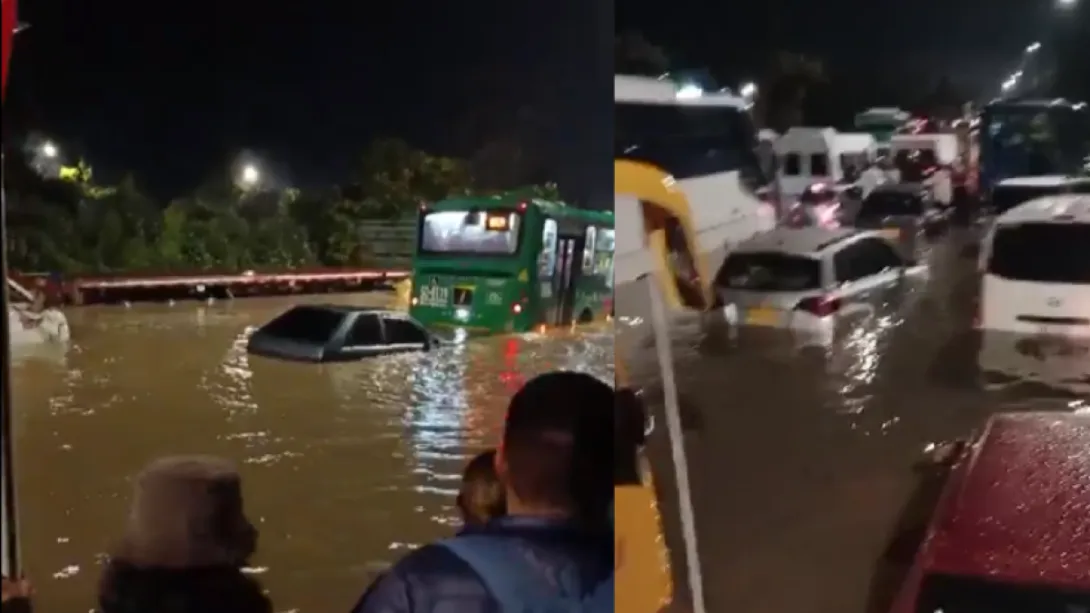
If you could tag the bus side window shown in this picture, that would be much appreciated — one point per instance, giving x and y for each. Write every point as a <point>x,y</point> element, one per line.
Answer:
<point>603,265</point>
<point>589,249</point>
<point>546,260</point>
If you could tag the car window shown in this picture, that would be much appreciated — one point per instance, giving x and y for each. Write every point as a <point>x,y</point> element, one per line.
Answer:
<point>1042,252</point>
<point>404,332</point>
<point>365,332</point>
<point>305,324</point>
<point>846,263</point>
<point>949,594</point>
<point>770,272</point>
<point>877,256</point>
<point>792,165</point>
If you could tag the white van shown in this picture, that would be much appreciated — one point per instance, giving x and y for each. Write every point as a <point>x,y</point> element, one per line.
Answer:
<point>807,156</point>
<point>1035,262</point>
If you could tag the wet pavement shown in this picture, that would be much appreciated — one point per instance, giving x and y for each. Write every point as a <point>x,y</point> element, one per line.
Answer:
<point>802,462</point>
<point>345,466</point>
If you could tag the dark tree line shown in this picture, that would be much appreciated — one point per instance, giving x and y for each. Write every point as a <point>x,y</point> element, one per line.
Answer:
<point>67,222</point>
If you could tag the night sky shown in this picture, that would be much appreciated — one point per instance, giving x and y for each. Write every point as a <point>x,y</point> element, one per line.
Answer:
<point>974,43</point>
<point>173,92</point>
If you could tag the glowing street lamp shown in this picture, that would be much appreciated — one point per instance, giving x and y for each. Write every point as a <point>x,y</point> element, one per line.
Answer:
<point>49,150</point>
<point>250,175</point>
<point>1033,48</point>
<point>1067,3</point>
<point>748,90</point>
<point>689,91</point>
<point>1009,84</point>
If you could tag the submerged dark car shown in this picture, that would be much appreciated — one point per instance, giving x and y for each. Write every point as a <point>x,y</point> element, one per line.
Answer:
<point>905,213</point>
<point>334,333</point>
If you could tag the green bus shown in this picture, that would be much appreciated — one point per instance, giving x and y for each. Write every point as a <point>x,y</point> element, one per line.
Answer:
<point>511,264</point>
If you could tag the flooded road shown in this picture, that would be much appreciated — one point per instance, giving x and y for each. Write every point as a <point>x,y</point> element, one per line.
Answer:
<point>802,465</point>
<point>345,466</point>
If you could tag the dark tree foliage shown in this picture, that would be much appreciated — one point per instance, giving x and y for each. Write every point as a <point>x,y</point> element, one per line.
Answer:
<point>66,222</point>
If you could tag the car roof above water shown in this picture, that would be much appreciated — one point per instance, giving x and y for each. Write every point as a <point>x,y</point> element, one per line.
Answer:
<point>1043,181</point>
<point>1020,510</point>
<point>807,242</point>
<point>1058,208</point>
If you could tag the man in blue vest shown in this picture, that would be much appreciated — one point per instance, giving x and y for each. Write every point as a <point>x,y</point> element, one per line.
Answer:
<point>553,551</point>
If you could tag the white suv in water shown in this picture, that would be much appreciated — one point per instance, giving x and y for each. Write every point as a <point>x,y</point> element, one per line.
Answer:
<point>810,281</point>
<point>1035,263</point>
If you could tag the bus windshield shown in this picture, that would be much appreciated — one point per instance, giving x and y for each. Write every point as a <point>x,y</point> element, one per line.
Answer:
<point>472,232</point>
<point>1035,141</point>
<point>689,140</point>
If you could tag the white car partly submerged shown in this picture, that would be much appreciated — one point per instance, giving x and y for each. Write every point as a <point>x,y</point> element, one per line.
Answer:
<point>30,328</point>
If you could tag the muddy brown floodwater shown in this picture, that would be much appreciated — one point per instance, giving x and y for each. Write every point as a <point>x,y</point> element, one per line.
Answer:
<point>345,466</point>
<point>802,464</point>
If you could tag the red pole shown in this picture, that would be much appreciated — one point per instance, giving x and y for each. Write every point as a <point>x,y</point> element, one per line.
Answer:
<point>10,553</point>
<point>11,23</point>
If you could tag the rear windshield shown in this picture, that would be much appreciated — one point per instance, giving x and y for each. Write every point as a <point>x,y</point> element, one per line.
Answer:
<point>946,594</point>
<point>305,324</point>
<point>770,272</point>
<point>1044,252</point>
<point>884,203</point>
<point>915,164</point>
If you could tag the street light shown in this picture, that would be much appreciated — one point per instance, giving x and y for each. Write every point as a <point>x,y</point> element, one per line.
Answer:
<point>1067,3</point>
<point>748,90</point>
<point>689,91</point>
<point>250,175</point>
<point>1033,48</point>
<point>49,150</point>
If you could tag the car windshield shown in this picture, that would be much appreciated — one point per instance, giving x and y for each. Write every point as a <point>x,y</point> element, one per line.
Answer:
<point>467,231</point>
<point>304,324</point>
<point>1042,252</point>
<point>888,203</point>
<point>948,594</point>
<point>772,272</point>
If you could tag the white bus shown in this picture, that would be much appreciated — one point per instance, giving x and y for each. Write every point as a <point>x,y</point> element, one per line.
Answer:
<point>701,145</point>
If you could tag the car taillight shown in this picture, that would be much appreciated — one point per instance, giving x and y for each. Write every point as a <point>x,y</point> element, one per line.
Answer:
<point>821,307</point>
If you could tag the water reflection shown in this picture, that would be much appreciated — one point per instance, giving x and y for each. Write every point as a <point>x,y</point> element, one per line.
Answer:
<point>802,460</point>
<point>344,464</point>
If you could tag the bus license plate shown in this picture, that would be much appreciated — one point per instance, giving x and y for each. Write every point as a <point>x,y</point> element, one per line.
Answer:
<point>891,233</point>
<point>762,317</point>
